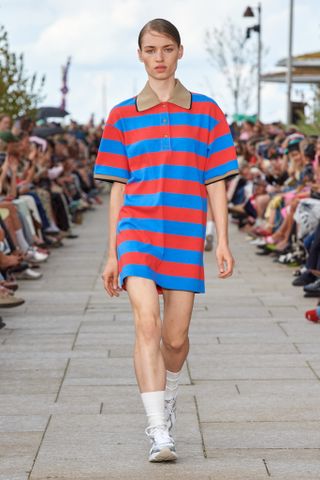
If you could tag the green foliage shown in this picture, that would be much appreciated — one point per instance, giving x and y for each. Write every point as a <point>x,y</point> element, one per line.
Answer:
<point>311,125</point>
<point>19,93</point>
<point>310,128</point>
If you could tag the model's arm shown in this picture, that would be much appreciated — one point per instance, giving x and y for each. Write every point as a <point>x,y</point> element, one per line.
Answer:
<point>217,197</point>
<point>111,271</point>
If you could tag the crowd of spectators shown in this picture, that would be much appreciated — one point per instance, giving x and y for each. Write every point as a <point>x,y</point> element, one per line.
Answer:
<point>276,197</point>
<point>45,186</point>
<point>47,183</point>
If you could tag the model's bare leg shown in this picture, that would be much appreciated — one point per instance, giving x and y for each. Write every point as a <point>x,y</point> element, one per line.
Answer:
<point>178,307</point>
<point>175,344</point>
<point>148,360</point>
<point>149,365</point>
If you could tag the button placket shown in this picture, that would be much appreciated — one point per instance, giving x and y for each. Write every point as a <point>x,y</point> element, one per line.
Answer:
<point>166,143</point>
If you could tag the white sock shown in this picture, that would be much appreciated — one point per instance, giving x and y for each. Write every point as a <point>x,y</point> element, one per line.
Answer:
<point>210,227</point>
<point>154,406</point>
<point>172,385</point>
<point>21,240</point>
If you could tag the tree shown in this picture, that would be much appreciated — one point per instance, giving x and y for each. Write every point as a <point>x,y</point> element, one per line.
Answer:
<point>236,59</point>
<point>310,125</point>
<point>19,94</point>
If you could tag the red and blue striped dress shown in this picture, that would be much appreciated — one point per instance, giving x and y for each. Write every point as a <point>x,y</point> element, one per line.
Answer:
<point>166,155</point>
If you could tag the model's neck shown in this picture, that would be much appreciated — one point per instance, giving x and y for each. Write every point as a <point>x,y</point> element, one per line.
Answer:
<point>163,88</point>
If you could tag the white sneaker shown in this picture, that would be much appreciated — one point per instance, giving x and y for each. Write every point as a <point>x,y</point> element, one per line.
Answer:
<point>170,415</point>
<point>34,256</point>
<point>258,241</point>
<point>162,444</point>
<point>28,274</point>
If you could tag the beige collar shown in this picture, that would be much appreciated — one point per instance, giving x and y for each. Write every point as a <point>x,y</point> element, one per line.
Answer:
<point>147,98</point>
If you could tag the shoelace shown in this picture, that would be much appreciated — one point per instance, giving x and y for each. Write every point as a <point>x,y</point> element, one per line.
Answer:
<point>160,434</point>
<point>170,405</point>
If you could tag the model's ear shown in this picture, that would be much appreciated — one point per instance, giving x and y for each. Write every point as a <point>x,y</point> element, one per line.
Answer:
<point>140,55</point>
<point>181,51</point>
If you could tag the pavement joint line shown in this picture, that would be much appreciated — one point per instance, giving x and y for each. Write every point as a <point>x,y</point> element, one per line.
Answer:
<point>312,370</point>
<point>62,380</point>
<point>78,329</point>
<point>189,372</point>
<point>200,429</point>
<point>266,467</point>
<point>109,353</point>
<point>282,328</point>
<point>218,340</point>
<point>206,380</point>
<point>114,317</point>
<point>218,422</point>
<point>40,444</point>
<point>259,300</point>
<point>296,347</point>
<point>10,332</point>
<point>237,388</point>
<point>87,305</point>
<point>101,408</point>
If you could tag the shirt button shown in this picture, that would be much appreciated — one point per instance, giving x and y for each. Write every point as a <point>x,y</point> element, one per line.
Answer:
<point>164,120</point>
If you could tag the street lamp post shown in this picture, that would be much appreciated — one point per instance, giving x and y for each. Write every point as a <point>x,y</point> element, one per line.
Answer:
<point>256,28</point>
<point>289,66</point>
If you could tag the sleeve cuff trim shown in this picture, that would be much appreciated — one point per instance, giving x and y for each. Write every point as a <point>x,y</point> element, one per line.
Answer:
<point>229,174</point>
<point>110,178</point>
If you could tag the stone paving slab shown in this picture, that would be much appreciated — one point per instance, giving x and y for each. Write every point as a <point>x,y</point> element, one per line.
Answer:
<point>16,444</point>
<point>294,464</point>
<point>18,405</point>
<point>243,408</point>
<point>248,407</point>
<point>15,468</point>
<point>215,360</point>
<point>275,435</point>
<point>84,444</point>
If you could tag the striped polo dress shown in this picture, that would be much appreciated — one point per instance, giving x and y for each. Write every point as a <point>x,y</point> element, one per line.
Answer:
<point>166,153</point>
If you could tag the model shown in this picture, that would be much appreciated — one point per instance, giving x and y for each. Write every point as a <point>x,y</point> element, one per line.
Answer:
<point>166,151</point>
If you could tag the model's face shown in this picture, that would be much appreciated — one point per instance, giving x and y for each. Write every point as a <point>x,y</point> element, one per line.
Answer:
<point>160,55</point>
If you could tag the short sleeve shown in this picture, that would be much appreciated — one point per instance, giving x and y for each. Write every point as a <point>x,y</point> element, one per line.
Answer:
<point>221,160</point>
<point>111,164</point>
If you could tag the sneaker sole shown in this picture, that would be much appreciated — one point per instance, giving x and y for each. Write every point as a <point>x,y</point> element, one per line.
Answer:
<point>12,305</point>
<point>20,277</point>
<point>165,455</point>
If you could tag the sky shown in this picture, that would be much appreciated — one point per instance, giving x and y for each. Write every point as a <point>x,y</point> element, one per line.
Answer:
<point>101,37</point>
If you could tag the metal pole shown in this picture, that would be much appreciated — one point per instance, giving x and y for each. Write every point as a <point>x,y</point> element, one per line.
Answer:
<point>289,66</point>
<point>259,64</point>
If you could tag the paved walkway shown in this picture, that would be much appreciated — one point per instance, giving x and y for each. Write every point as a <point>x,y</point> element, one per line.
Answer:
<point>249,406</point>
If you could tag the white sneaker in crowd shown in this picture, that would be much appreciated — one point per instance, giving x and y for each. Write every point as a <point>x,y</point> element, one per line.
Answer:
<point>170,415</point>
<point>28,274</point>
<point>162,444</point>
<point>34,256</point>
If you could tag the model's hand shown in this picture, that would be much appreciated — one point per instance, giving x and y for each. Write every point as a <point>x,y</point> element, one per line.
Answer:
<point>225,261</point>
<point>110,277</point>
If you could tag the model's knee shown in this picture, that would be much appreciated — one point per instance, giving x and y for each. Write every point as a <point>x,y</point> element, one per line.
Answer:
<point>175,344</point>
<point>148,328</point>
